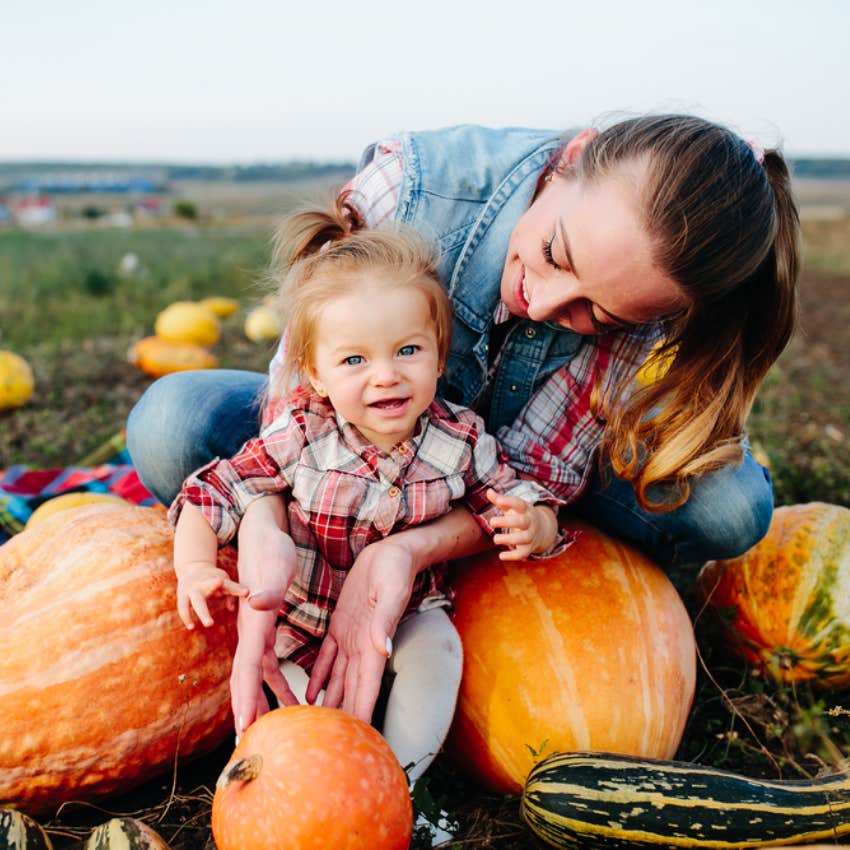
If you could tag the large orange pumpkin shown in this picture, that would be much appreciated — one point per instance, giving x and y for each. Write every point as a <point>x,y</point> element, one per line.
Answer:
<point>101,685</point>
<point>589,650</point>
<point>312,778</point>
<point>786,602</point>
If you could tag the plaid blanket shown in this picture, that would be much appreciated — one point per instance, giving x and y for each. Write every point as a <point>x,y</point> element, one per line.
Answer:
<point>108,470</point>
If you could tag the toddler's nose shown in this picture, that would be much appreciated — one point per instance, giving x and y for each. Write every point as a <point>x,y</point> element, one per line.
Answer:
<point>384,374</point>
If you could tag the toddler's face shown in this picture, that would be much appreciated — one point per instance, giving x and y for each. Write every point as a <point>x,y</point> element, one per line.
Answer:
<point>376,359</point>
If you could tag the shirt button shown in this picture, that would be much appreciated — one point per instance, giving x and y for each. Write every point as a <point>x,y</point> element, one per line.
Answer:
<point>402,450</point>
<point>393,492</point>
<point>531,332</point>
<point>514,388</point>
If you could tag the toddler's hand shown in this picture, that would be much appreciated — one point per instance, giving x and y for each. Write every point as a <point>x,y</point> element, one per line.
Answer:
<point>197,582</point>
<point>529,528</point>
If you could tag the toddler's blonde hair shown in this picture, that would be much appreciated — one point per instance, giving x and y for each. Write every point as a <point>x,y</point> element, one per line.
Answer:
<point>319,256</point>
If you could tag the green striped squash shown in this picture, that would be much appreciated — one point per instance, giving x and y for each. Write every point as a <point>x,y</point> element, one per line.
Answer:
<point>601,800</point>
<point>20,832</point>
<point>125,834</point>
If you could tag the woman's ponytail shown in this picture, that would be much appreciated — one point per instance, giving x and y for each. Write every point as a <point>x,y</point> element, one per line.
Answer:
<point>779,301</point>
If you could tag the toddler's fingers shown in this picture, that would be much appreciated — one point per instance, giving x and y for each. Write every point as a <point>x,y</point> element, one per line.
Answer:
<point>184,611</point>
<point>233,588</point>
<point>511,520</point>
<point>199,603</point>
<point>507,503</point>
<point>520,553</point>
<point>519,538</point>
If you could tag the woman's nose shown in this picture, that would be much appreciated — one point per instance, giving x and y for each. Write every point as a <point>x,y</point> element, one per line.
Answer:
<point>547,299</point>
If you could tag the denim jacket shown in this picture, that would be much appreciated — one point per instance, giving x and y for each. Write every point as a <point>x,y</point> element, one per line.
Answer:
<point>466,187</point>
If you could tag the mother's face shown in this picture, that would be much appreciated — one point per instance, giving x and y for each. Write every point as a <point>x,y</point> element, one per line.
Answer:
<point>580,257</point>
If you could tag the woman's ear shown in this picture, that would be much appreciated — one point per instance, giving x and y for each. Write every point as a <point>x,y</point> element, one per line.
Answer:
<point>575,147</point>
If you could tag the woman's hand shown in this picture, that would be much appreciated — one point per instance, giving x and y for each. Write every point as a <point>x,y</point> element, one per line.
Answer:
<point>267,564</point>
<point>376,592</point>
<point>532,529</point>
<point>255,661</point>
<point>359,639</point>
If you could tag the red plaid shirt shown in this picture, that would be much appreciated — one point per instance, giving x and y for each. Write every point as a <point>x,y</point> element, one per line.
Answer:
<point>556,436</point>
<point>344,493</point>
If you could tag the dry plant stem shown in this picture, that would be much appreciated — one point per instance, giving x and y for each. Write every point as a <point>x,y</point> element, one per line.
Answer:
<point>726,700</point>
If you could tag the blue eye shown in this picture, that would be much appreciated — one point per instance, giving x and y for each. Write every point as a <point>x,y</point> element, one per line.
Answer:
<point>408,350</point>
<point>354,360</point>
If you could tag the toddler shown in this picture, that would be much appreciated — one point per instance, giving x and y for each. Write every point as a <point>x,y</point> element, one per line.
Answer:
<point>361,448</point>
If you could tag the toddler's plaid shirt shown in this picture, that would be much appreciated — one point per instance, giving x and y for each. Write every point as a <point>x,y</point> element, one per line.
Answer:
<point>343,493</point>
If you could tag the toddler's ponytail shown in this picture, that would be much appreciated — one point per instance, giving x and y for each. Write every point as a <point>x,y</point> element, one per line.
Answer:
<point>307,231</point>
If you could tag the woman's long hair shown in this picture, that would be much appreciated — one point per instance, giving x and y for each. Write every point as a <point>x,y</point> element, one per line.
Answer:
<point>724,226</point>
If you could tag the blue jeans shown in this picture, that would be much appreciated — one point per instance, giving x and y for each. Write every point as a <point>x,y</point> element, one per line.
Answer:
<point>186,419</point>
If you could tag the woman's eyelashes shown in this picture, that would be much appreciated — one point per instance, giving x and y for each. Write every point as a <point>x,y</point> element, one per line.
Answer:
<point>599,326</point>
<point>547,253</point>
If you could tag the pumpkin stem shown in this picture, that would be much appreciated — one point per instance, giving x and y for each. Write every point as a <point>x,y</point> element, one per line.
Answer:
<point>242,770</point>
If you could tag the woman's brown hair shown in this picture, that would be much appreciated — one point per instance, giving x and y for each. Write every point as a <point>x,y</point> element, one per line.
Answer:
<point>724,226</point>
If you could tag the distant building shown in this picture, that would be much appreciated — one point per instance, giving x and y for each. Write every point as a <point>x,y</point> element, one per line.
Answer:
<point>151,206</point>
<point>94,180</point>
<point>33,211</point>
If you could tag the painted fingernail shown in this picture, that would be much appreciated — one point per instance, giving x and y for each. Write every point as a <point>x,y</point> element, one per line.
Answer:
<point>389,646</point>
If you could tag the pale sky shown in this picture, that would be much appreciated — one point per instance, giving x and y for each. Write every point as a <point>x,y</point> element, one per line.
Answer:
<point>270,80</point>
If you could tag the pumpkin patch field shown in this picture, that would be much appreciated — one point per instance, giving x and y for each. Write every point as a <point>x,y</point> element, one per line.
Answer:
<point>76,309</point>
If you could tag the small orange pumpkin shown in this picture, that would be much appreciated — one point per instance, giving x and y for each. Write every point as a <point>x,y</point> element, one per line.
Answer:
<point>311,778</point>
<point>101,685</point>
<point>590,650</point>
<point>157,357</point>
<point>786,602</point>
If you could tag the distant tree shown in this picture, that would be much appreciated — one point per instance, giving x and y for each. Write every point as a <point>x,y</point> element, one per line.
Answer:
<point>91,213</point>
<point>185,209</point>
<point>98,282</point>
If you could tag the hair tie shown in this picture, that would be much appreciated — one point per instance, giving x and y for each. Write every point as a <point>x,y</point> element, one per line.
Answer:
<point>757,149</point>
<point>325,245</point>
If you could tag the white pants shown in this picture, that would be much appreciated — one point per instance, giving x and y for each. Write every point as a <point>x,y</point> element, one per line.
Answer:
<point>426,663</point>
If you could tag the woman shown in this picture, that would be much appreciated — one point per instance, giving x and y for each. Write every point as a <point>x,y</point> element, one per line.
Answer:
<point>665,229</point>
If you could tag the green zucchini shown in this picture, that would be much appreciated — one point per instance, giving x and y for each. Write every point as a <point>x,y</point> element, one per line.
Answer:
<point>125,834</point>
<point>20,832</point>
<point>601,800</point>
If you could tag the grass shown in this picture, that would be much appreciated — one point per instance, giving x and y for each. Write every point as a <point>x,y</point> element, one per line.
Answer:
<point>67,286</point>
<point>67,309</point>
